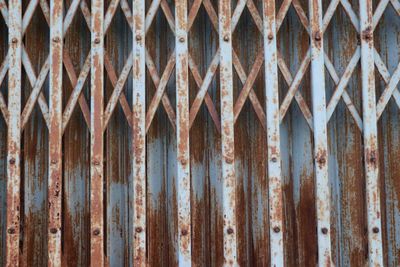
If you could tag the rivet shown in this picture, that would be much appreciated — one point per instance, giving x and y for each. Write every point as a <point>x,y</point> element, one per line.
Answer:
<point>138,37</point>
<point>53,161</point>
<point>226,38</point>
<point>53,230</point>
<point>14,40</point>
<point>321,160</point>
<point>96,162</point>
<point>274,159</point>
<point>317,37</point>
<point>229,231</point>
<point>181,39</point>
<point>270,36</point>
<point>276,229</point>
<point>138,229</point>
<point>138,160</point>
<point>97,40</point>
<point>96,232</point>
<point>375,230</point>
<point>12,161</point>
<point>228,160</point>
<point>11,230</point>
<point>56,39</point>
<point>184,232</point>
<point>183,161</point>
<point>324,230</point>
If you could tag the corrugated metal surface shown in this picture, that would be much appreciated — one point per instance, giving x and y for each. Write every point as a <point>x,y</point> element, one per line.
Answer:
<point>236,132</point>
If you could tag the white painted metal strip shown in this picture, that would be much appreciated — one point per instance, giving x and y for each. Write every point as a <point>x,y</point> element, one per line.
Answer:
<point>227,134</point>
<point>14,133</point>
<point>273,134</point>
<point>139,133</point>
<point>182,131</point>
<point>55,133</point>
<point>320,135</point>
<point>371,161</point>
<point>96,135</point>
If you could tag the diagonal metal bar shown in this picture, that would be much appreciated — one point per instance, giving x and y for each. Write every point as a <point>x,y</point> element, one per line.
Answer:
<point>341,84</point>
<point>388,92</point>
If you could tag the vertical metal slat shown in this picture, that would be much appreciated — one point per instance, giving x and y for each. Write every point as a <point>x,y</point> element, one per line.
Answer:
<point>273,134</point>
<point>14,133</point>
<point>370,135</point>
<point>55,133</point>
<point>96,140</point>
<point>227,134</point>
<point>139,133</point>
<point>320,134</point>
<point>182,131</point>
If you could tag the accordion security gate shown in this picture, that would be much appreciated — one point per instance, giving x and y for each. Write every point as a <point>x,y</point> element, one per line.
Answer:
<point>200,132</point>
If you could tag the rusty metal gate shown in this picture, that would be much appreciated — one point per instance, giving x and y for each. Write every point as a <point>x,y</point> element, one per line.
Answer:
<point>200,132</point>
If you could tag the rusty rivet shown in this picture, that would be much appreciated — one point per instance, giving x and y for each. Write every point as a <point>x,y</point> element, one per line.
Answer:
<point>138,160</point>
<point>184,232</point>
<point>182,39</point>
<point>228,160</point>
<point>138,37</point>
<point>321,160</point>
<point>53,230</point>
<point>324,230</point>
<point>183,161</point>
<point>274,159</point>
<point>367,34</point>
<point>226,38</point>
<point>372,159</point>
<point>97,40</point>
<point>12,161</point>
<point>11,230</point>
<point>229,231</point>
<point>96,232</point>
<point>276,229</point>
<point>270,36</point>
<point>14,40</point>
<point>53,161</point>
<point>96,162</point>
<point>317,36</point>
<point>375,230</point>
<point>138,229</point>
<point>56,39</point>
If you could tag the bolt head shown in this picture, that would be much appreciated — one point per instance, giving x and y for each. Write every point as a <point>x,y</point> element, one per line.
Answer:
<point>53,230</point>
<point>11,230</point>
<point>184,232</point>
<point>324,230</point>
<point>274,159</point>
<point>270,36</point>
<point>375,230</point>
<point>12,161</point>
<point>56,39</point>
<point>182,39</point>
<point>138,229</point>
<point>226,38</point>
<point>14,40</point>
<point>97,40</point>
<point>96,232</point>
<point>229,231</point>
<point>276,229</point>
<point>138,37</point>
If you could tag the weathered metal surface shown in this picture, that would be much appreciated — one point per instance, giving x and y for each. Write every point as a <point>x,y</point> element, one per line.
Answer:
<point>200,131</point>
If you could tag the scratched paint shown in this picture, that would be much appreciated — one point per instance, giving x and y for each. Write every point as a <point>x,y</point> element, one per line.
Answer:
<point>349,228</point>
